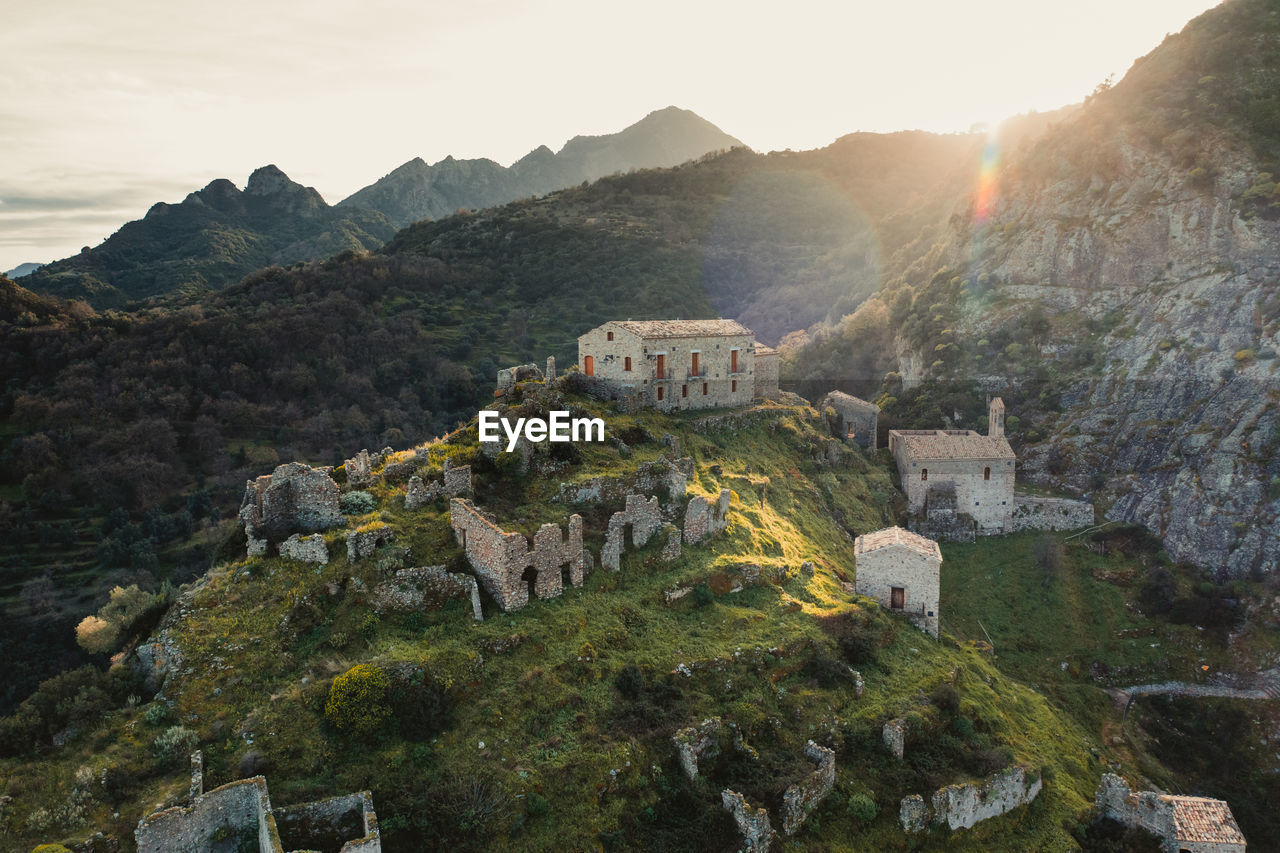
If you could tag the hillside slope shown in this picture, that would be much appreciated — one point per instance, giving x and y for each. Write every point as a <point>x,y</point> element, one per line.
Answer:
<point>1119,282</point>
<point>212,238</point>
<point>416,190</point>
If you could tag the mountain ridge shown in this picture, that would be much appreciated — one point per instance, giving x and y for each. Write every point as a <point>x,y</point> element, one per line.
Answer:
<point>417,190</point>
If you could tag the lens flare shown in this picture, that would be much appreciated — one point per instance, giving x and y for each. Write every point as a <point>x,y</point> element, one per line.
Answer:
<point>988,181</point>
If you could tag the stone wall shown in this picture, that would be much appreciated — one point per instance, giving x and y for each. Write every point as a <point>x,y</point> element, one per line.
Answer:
<point>426,588</point>
<point>855,420</point>
<point>294,498</point>
<point>894,735</point>
<point>963,806</point>
<point>714,384</point>
<point>359,470</point>
<point>1158,814</point>
<point>702,519</point>
<point>803,797</point>
<point>988,502</point>
<point>878,572</point>
<point>362,543</point>
<point>305,549</point>
<point>694,742</point>
<point>767,368</point>
<point>1051,514</point>
<point>239,810</point>
<point>316,826</point>
<point>509,376</point>
<point>754,824</point>
<point>500,558</point>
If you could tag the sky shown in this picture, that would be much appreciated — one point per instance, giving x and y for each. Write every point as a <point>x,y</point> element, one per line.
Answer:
<point>107,108</point>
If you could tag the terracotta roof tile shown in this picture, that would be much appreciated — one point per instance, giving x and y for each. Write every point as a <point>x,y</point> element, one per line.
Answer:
<point>1204,819</point>
<point>920,444</point>
<point>683,328</point>
<point>868,542</point>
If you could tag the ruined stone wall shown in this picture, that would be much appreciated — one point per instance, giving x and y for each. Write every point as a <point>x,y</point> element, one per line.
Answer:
<point>362,543</point>
<point>294,498</point>
<point>894,735</point>
<point>234,810</point>
<point>854,418</point>
<point>694,742</point>
<point>703,520</point>
<point>1144,808</point>
<point>307,826</point>
<point>963,806</point>
<point>1051,514</point>
<point>766,367</point>
<point>988,502</point>
<point>754,824</point>
<point>645,518</point>
<point>877,572</point>
<point>305,549</point>
<point>509,376</point>
<point>500,558</point>
<point>803,797</point>
<point>426,588</point>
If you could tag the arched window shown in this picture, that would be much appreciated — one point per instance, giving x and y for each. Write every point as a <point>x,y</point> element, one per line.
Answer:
<point>924,473</point>
<point>589,365</point>
<point>626,365</point>
<point>986,473</point>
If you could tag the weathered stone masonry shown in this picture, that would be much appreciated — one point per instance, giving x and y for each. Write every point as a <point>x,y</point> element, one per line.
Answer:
<point>501,558</point>
<point>1193,824</point>
<point>963,806</point>
<point>294,498</point>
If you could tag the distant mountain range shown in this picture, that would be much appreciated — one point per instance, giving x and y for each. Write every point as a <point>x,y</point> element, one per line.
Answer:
<point>219,234</point>
<point>212,238</point>
<point>23,269</point>
<point>417,190</point>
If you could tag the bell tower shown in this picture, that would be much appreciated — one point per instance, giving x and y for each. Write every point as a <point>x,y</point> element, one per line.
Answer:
<point>995,418</point>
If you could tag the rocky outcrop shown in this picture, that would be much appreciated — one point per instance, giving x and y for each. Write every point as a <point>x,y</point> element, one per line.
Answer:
<point>1163,289</point>
<point>509,376</point>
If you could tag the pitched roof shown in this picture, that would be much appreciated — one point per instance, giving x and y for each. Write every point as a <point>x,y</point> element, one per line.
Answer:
<point>869,542</point>
<point>951,444</point>
<point>683,328</point>
<point>1204,819</point>
<point>849,401</point>
<point>765,349</point>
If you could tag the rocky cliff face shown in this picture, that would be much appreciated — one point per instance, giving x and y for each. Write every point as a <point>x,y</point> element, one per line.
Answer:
<point>1179,415</point>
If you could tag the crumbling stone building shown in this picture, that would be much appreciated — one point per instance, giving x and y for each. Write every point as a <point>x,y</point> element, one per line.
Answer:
<point>901,570</point>
<point>678,364</point>
<point>295,498</point>
<point>851,419</point>
<point>239,816</point>
<point>1183,824</point>
<point>962,471</point>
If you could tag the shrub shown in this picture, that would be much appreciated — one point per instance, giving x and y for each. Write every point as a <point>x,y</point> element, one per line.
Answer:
<point>50,848</point>
<point>116,620</point>
<point>357,701</point>
<point>97,636</point>
<point>357,503</point>
<point>703,596</point>
<point>629,681</point>
<point>157,714</point>
<point>862,808</point>
<point>174,744</point>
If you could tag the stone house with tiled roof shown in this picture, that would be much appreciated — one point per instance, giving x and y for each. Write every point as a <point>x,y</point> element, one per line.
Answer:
<point>960,471</point>
<point>902,571</point>
<point>1184,824</point>
<point>678,364</point>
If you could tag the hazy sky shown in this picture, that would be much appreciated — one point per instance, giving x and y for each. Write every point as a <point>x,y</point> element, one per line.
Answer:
<point>106,108</point>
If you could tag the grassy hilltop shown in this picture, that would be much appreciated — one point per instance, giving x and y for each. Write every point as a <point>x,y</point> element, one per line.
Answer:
<point>575,699</point>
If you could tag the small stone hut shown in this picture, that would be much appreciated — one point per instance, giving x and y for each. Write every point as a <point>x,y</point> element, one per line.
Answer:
<point>901,570</point>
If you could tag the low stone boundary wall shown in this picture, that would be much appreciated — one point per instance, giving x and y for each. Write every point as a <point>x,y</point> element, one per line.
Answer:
<point>1051,514</point>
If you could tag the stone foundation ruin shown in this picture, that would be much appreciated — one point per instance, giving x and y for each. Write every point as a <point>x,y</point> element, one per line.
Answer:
<point>238,816</point>
<point>803,797</point>
<point>427,588</point>
<point>963,806</point>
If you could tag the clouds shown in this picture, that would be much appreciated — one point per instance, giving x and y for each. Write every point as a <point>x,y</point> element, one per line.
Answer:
<point>108,107</point>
